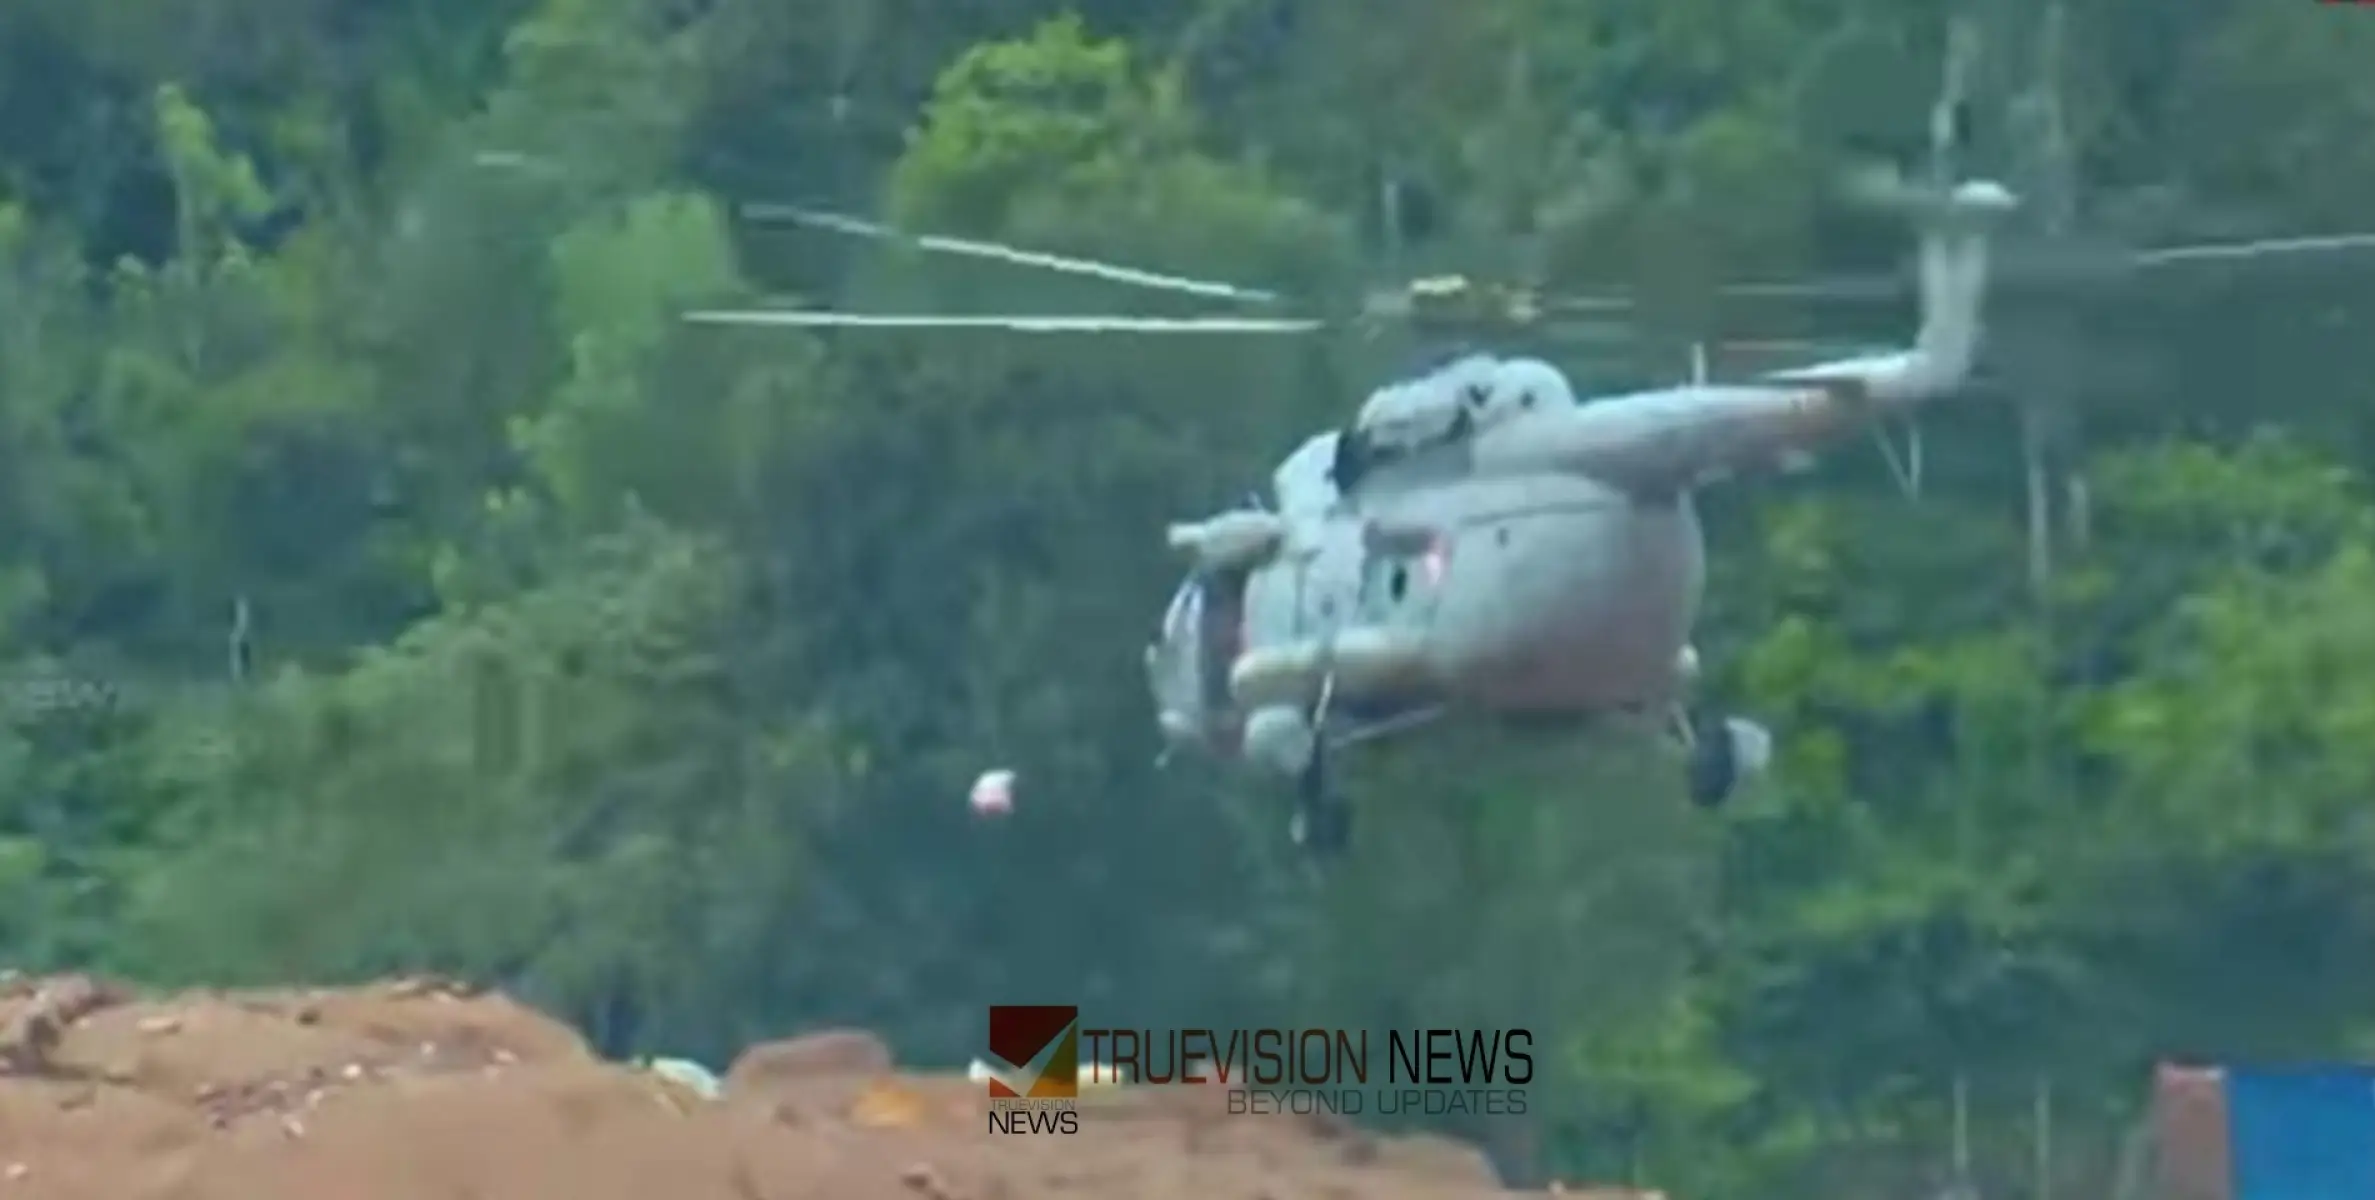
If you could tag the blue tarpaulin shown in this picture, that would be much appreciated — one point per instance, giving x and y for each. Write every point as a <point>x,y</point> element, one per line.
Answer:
<point>2303,1134</point>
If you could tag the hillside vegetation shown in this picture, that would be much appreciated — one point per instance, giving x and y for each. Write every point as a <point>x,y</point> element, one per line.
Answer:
<point>639,668</point>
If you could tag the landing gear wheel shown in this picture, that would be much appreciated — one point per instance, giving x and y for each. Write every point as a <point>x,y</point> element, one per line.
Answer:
<point>1322,824</point>
<point>1322,828</point>
<point>1714,762</point>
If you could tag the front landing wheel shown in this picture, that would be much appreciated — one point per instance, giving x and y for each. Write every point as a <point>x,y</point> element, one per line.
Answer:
<point>1725,753</point>
<point>1322,828</point>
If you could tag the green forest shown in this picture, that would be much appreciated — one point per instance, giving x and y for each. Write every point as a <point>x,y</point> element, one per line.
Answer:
<point>391,579</point>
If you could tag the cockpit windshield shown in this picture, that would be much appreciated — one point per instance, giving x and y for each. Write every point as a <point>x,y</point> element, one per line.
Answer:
<point>1303,482</point>
<point>1187,608</point>
<point>1202,633</point>
<point>1428,408</point>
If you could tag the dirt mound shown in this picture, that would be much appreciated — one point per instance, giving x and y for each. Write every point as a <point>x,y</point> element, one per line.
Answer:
<point>426,1090</point>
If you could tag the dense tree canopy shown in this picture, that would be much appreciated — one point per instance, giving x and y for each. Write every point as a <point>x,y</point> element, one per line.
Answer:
<point>639,665</point>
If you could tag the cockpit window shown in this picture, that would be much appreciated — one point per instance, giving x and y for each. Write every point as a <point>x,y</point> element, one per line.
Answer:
<point>1187,607</point>
<point>1305,482</point>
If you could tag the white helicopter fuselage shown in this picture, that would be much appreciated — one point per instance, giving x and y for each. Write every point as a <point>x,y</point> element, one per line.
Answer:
<point>1481,538</point>
<point>1546,594</point>
<point>1539,594</point>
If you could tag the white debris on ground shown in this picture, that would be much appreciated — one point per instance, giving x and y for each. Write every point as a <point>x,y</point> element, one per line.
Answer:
<point>689,1074</point>
<point>1088,1075</point>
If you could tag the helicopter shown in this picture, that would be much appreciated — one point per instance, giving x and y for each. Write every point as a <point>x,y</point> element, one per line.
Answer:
<point>1480,539</point>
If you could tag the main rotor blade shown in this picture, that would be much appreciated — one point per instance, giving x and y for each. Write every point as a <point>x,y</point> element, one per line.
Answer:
<point>2065,265</point>
<point>2259,248</point>
<point>999,252</point>
<point>1838,288</point>
<point>788,319</point>
<point>1850,287</point>
<point>1798,348</point>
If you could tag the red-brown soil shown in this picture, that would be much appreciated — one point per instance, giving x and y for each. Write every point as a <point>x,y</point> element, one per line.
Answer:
<point>423,1090</point>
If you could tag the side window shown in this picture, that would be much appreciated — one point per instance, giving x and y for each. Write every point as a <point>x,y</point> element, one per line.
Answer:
<point>1402,588</point>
